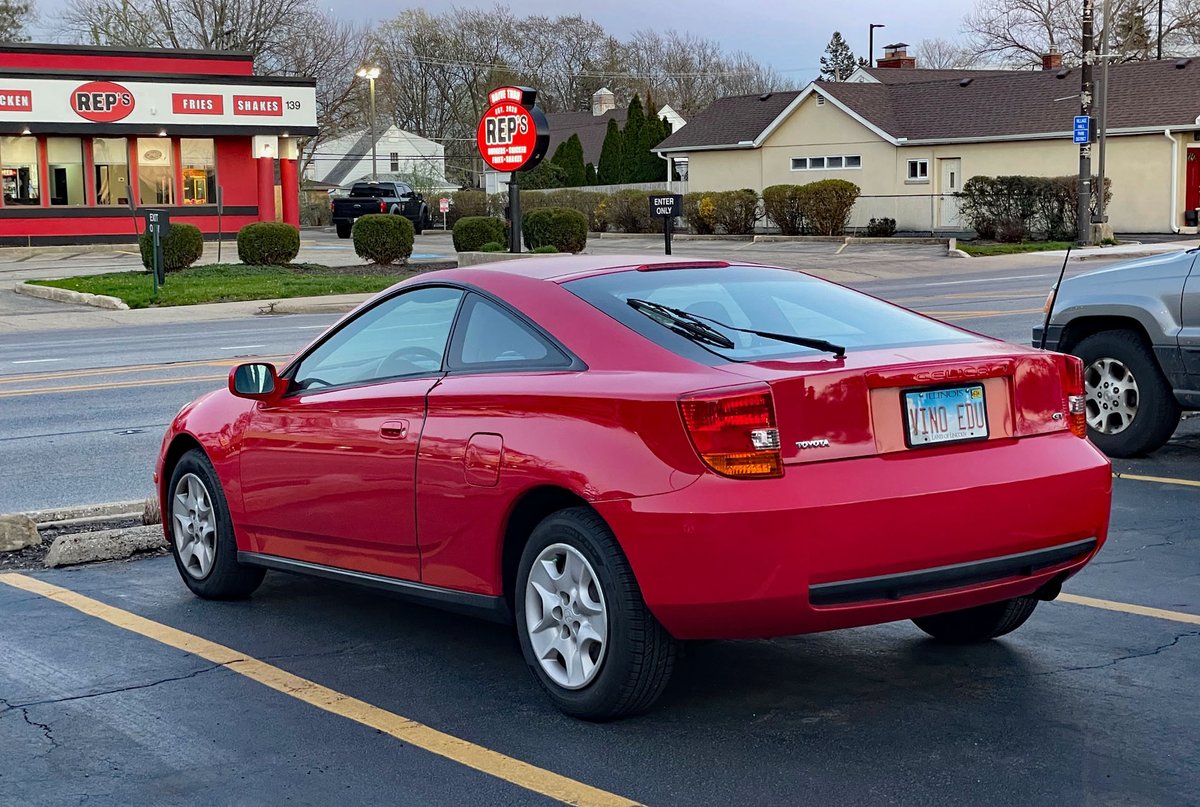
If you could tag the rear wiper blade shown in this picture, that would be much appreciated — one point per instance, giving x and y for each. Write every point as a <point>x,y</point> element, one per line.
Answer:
<point>804,341</point>
<point>681,323</point>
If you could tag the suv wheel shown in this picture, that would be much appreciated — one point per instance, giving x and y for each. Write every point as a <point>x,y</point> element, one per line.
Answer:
<point>1131,408</point>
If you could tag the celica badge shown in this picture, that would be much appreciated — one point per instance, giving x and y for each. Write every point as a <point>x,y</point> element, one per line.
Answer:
<point>820,443</point>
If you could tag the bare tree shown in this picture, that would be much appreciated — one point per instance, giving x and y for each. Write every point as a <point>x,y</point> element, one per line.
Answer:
<point>942,54</point>
<point>1018,32</point>
<point>15,19</point>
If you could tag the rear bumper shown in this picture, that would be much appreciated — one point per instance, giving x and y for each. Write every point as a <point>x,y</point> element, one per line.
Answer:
<point>1053,336</point>
<point>865,541</point>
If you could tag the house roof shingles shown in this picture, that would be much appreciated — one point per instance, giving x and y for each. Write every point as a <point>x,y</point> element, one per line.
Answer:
<point>1010,104</point>
<point>590,128</point>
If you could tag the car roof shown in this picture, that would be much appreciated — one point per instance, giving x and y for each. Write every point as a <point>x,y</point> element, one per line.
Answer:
<point>563,267</point>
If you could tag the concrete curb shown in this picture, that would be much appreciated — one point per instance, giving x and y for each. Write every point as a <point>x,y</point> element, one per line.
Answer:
<point>90,511</point>
<point>68,296</point>
<point>92,547</point>
<point>307,306</point>
<point>674,236</point>
<point>478,258</point>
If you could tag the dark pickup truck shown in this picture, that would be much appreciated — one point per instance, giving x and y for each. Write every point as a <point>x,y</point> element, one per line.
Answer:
<point>396,198</point>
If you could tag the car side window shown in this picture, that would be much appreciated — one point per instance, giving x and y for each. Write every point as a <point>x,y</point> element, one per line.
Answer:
<point>489,337</point>
<point>403,336</point>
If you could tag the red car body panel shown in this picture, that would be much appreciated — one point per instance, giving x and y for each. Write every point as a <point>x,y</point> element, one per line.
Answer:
<point>315,478</point>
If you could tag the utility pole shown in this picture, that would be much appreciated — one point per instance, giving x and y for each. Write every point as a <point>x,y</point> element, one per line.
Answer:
<point>1102,123</point>
<point>1160,5</point>
<point>1083,212</point>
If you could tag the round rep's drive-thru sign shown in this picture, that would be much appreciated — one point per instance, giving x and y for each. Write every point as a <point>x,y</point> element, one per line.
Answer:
<point>513,134</point>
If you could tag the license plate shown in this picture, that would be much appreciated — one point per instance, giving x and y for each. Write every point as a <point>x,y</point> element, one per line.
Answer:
<point>945,415</point>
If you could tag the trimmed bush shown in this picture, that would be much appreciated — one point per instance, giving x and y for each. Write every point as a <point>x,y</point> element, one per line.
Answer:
<point>268,243</point>
<point>382,238</point>
<point>559,227</point>
<point>466,203</point>
<point>699,211</point>
<point>493,246</point>
<point>628,211</point>
<point>1013,208</point>
<point>545,249</point>
<point>736,211</point>
<point>881,228</point>
<point>583,201</point>
<point>473,232</point>
<point>781,203</point>
<point>826,205</point>
<point>183,246</point>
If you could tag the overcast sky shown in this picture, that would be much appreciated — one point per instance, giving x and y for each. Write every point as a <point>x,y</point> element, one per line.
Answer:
<point>788,36</point>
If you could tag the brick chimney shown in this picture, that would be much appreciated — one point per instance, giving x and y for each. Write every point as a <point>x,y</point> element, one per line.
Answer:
<point>897,56</point>
<point>603,101</point>
<point>1052,60</point>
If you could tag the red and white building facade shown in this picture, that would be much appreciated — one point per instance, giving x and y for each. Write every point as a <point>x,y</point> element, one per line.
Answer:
<point>88,135</point>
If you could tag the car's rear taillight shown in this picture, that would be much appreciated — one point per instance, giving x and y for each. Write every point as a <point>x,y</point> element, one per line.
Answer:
<point>383,207</point>
<point>1074,396</point>
<point>735,433</point>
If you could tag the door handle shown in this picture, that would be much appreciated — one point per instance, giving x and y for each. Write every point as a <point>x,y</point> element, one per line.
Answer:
<point>394,430</point>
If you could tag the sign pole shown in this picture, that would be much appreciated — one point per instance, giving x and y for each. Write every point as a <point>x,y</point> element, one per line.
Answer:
<point>157,260</point>
<point>1083,212</point>
<point>668,226</point>
<point>514,214</point>
<point>220,229</point>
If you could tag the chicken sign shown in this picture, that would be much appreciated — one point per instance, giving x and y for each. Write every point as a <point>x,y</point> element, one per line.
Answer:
<point>513,134</point>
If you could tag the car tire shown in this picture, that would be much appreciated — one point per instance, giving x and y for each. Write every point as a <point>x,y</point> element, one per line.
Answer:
<point>1123,359</point>
<point>419,224</point>
<point>201,533</point>
<point>343,230</point>
<point>978,624</point>
<point>626,669</point>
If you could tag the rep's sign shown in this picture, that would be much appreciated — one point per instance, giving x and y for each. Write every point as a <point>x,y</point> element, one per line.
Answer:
<point>513,134</point>
<point>102,101</point>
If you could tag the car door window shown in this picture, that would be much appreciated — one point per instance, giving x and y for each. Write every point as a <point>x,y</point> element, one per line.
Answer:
<point>489,337</point>
<point>403,336</point>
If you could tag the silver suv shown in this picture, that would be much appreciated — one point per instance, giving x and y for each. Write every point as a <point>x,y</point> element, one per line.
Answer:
<point>1137,328</point>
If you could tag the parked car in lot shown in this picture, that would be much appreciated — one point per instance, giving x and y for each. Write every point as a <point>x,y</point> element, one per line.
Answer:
<point>1136,327</point>
<point>616,454</point>
<point>396,198</point>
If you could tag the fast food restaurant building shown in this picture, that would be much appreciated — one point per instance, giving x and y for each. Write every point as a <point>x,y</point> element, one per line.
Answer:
<point>89,134</point>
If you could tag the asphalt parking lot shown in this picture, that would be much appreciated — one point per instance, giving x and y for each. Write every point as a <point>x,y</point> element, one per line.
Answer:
<point>118,687</point>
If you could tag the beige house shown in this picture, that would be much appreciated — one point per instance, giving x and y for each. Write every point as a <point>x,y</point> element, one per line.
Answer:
<point>909,139</point>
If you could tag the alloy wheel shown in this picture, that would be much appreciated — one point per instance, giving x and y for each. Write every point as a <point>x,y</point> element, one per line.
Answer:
<point>195,526</point>
<point>566,617</point>
<point>1112,396</point>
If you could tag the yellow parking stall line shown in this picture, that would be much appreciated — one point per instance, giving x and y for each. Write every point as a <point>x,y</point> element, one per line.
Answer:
<point>1127,608</point>
<point>129,368</point>
<point>1162,480</point>
<point>145,382</point>
<point>455,749</point>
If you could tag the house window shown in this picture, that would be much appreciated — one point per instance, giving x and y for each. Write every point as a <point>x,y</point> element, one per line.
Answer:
<point>64,156</point>
<point>19,170</point>
<point>918,170</point>
<point>199,171</point>
<point>110,158</point>
<point>156,173</point>
<point>833,163</point>
<point>394,158</point>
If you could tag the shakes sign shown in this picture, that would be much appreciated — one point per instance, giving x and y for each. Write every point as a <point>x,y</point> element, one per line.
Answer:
<point>513,134</point>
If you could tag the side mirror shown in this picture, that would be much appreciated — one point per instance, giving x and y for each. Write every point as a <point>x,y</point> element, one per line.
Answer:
<point>257,381</point>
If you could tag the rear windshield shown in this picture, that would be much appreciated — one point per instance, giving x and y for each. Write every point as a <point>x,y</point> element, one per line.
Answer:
<point>763,299</point>
<point>375,191</point>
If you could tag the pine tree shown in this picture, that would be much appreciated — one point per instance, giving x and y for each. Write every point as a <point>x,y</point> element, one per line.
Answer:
<point>612,156</point>
<point>635,141</point>
<point>839,62</point>
<point>654,168</point>
<point>1131,34</point>
<point>589,174</point>
<point>569,157</point>
<point>547,174</point>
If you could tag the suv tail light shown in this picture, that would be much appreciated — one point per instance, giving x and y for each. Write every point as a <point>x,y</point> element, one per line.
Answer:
<point>1075,397</point>
<point>383,207</point>
<point>735,433</point>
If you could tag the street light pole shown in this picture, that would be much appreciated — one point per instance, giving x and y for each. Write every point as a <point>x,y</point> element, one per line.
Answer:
<point>1083,223</point>
<point>370,74</point>
<point>871,42</point>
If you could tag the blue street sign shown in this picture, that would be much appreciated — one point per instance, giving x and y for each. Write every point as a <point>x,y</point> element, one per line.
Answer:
<point>1083,129</point>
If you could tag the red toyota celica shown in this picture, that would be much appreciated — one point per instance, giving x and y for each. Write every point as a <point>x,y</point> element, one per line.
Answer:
<point>616,455</point>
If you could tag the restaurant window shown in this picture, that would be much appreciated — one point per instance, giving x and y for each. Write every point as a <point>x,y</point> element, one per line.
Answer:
<point>156,175</point>
<point>199,171</point>
<point>64,156</point>
<point>19,170</point>
<point>110,155</point>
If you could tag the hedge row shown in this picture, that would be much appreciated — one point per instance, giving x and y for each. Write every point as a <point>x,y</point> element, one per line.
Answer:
<point>1015,208</point>
<point>817,208</point>
<point>556,229</point>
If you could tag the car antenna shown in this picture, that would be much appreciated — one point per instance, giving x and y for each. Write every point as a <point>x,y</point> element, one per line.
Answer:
<point>1054,298</point>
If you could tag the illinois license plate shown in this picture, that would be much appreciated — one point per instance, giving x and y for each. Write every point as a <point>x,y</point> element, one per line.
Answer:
<point>945,415</point>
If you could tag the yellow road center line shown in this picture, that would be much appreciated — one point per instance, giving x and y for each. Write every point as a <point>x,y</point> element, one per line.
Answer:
<point>131,368</point>
<point>485,760</point>
<point>1127,608</point>
<point>979,314</point>
<point>145,382</point>
<point>1163,480</point>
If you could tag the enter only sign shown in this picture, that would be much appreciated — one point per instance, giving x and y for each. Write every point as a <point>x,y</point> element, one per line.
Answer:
<point>666,206</point>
